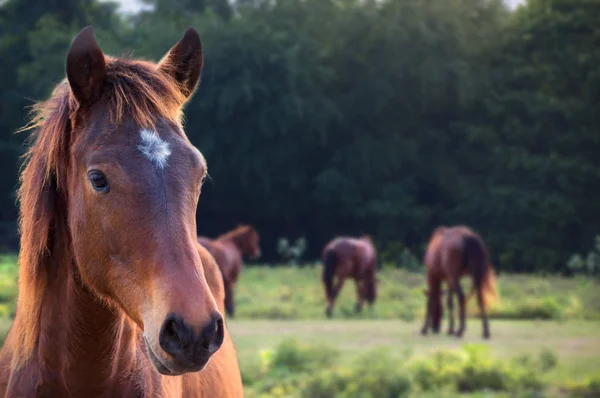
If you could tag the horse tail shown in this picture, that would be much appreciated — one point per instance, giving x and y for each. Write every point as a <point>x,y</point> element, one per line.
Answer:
<point>488,288</point>
<point>329,267</point>
<point>482,272</point>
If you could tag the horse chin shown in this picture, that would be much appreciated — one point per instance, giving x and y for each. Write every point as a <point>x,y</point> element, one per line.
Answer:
<point>171,370</point>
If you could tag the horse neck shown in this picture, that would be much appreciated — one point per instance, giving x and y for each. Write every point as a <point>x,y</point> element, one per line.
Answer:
<point>81,338</point>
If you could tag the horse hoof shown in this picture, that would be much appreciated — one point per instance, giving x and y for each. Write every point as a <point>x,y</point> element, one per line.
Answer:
<point>450,332</point>
<point>423,332</point>
<point>328,313</point>
<point>486,336</point>
<point>458,335</point>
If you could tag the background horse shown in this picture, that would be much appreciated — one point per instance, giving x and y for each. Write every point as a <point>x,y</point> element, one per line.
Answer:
<point>116,297</point>
<point>227,250</point>
<point>354,258</point>
<point>452,253</point>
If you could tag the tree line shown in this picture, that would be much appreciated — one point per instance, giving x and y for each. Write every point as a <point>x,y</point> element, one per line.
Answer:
<point>326,117</point>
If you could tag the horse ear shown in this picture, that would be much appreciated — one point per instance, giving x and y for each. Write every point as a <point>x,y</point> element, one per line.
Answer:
<point>86,67</point>
<point>184,62</point>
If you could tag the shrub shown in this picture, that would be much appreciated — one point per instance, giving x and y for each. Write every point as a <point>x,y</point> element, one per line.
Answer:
<point>296,357</point>
<point>302,371</point>
<point>548,360</point>
<point>291,253</point>
<point>588,389</point>
<point>373,375</point>
<point>590,265</point>
<point>473,369</point>
<point>548,307</point>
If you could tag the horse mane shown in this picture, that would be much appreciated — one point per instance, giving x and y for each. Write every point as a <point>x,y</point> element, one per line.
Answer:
<point>237,231</point>
<point>135,89</point>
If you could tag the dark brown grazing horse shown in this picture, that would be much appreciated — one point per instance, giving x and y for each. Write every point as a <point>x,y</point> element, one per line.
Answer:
<point>454,252</point>
<point>116,297</point>
<point>355,258</point>
<point>227,250</point>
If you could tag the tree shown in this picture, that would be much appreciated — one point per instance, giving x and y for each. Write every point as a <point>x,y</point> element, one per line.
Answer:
<point>544,166</point>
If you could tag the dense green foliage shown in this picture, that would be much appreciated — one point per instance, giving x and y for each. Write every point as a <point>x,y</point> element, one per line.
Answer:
<point>324,117</point>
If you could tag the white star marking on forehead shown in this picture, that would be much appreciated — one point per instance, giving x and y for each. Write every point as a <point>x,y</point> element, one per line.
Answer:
<point>154,148</point>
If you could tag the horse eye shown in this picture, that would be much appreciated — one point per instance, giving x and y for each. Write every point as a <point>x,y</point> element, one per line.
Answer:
<point>98,180</point>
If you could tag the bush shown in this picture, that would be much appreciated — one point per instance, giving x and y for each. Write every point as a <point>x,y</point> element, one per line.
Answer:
<point>588,389</point>
<point>372,382</point>
<point>473,369</point>
<point>302,371</point>
<point>590,265</point>
<point>291,253</point>
<point>296,357</point>
<point>544,308</point>
<point>282,371</point>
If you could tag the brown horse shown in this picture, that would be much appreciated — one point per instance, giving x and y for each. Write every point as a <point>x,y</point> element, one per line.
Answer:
<point>354,258</point>
<point>116,297</point>
<point>227,250</point>
<point>454,252</point>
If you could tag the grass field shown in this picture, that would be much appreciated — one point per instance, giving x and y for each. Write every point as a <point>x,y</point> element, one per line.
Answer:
<point>576,344</point>
<point>287,348</point>
<point>297,293</point>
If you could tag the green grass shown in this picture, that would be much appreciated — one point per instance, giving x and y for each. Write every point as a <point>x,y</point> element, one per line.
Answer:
<point>297,293</point>
<point>536,314</point>
<point>576,345</point>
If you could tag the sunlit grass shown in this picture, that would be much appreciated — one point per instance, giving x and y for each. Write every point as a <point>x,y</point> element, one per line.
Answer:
<point>297,293</point>
<point>536,313</point>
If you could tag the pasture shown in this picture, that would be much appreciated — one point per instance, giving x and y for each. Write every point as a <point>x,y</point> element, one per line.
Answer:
<point>548,326</point>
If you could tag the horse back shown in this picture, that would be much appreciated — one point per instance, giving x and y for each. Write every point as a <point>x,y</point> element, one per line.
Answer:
<point>365,257</point>
<point>354,256</point>
<point>462,252</point>
<point>476,254</point>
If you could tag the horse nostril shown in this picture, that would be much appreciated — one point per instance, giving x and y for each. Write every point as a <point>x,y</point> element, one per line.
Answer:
<point>175,335</point>
<point>212,335</point>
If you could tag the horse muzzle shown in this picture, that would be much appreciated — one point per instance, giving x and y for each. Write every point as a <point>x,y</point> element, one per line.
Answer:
<point>180,350</point>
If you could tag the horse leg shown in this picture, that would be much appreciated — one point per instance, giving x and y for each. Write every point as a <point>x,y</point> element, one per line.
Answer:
<point>450,305</point>
<point>427,322</point>
<point>360,296</point>
<point>229,303</point>
<point>484,317</point>
<point>336,291</point>
<point>461,309</point>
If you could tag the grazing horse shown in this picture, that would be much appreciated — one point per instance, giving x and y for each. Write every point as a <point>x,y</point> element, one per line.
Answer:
<point>116,297</point>
<point>454,252</point>
<point>354,258</point>
<point>227,250</point>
